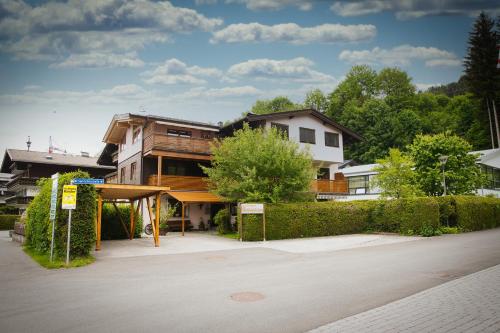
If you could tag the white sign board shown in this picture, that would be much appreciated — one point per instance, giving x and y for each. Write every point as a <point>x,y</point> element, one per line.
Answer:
<point>53,196</point>
<point>253,208</point>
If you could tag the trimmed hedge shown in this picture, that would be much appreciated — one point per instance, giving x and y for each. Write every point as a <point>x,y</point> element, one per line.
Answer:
<point>422,216</point>
<point>477,213</point>
<point>111,226</point>
<point>7,221</point>
<point>39,228</point>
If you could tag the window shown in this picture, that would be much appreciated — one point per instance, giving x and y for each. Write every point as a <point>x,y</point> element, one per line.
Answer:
<point>207,135</point>
<point>331,139</point>
<point>181,133</point>
<point>282,128</point>
<point>324,173</point>
<point>133,168</point>
<point>122,175</point>
<point>123,143</point>
<point>359,185</point>
<point>307,135</point>
<point>135,134</point>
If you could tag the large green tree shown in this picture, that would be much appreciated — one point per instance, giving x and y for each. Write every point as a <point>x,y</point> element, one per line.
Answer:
<point>277,104</point>
<point>481,73</point>
<point>317,100</point>
<point>395,176</point>
<point>461,172</point>
<point>259,165</point>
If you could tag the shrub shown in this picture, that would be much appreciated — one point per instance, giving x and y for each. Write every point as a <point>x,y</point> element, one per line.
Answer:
<point>111,226</point>
<point>7,221</point>
<point>38,226</point>
<point>223,221</point>
<point>407,216</point>
<point>477,213</point>
<point>450,230</point>
<point>447,211</point>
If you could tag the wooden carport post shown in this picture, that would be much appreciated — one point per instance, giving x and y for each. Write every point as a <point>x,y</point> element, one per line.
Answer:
<point>98,224</point>
<point>151,220</point>
<point>132,219</point>
<point>157,220</point>
<point>182,218</point>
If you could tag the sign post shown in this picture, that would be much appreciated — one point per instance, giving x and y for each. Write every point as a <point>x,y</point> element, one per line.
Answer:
<point>69,202</point>
<point>53,208</point>
<point>255,209</point>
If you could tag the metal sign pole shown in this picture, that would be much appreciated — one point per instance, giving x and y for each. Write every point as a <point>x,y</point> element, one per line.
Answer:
<point>53,207</point>
<point>69,237</point>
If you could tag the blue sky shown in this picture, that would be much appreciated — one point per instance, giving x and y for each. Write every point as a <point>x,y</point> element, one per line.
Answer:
<point>67,67</point>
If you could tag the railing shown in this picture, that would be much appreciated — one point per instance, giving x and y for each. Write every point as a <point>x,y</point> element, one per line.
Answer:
<point>21,181</point>
<point>189,183</point>
<point>329,186</point>
<point>177,144</point>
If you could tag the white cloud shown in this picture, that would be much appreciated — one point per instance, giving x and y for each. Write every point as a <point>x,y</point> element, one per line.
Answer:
<point>425,86</point>
<point>88,29</point>
<point>401,55</point>
<point>92,60</point>
<point>225,92</point>
<point>414,8</point>
<point>304,5</point>
<point>293,33</point>
<point>296,70</point>
<point>174,71</point>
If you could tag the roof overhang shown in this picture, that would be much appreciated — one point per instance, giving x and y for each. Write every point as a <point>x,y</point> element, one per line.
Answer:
<point>126,191</point>
<point>196,197</point>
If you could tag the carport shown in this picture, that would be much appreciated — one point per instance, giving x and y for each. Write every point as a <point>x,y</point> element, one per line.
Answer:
<point>120,193</point>
<point>194,197</point>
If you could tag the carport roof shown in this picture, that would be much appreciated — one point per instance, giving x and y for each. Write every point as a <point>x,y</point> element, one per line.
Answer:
<point>127,191</point>
<point>196,197</point>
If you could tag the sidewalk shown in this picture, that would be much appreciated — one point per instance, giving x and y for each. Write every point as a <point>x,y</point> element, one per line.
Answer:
<point>468,304</point>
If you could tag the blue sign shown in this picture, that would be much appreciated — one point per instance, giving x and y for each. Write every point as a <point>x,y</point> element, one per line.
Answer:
<point>82,181</point>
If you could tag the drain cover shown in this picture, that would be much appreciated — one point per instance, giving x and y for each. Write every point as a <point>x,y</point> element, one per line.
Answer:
<point>247,296</point>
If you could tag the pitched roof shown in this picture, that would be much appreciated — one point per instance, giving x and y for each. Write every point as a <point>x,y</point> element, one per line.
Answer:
<point>489,157</point>
<point>359,170</point>
<point>17,155</point>
<point>276,115</point>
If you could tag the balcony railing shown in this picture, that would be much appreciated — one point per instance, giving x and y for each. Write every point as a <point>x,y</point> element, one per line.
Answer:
<point>189,183</point>
<point>329,186</point>
<point>177,144</point>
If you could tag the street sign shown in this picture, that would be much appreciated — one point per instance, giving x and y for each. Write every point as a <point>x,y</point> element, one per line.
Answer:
<point>69,197</point>
<point>53,196</point>
<point>254,208</point>
<point>82,181</point>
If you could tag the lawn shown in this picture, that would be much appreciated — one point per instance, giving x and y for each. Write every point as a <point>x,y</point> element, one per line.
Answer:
<point>43,259</point>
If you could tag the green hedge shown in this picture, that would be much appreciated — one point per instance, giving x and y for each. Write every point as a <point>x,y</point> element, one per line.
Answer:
<point>7,221</point>
<point>111,227</point>
<point>422,216</point>
<point>407,216</point>
<point>477,213</point>
<point>38,226</point>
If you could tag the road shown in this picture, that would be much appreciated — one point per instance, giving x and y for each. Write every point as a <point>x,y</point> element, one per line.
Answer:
<point>192,292</point>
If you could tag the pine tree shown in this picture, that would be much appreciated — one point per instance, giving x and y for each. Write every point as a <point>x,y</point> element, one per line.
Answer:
<point>480,62</point>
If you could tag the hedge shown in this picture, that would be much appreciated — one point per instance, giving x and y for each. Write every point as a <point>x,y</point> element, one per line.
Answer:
<point>7,221</point>
<point>38,226</point>
<point>423,216</point>
<point>111,226</point>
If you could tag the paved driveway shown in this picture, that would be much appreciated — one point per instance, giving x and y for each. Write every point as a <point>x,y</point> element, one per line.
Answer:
<point>239,290</point>
<point>197,242</point>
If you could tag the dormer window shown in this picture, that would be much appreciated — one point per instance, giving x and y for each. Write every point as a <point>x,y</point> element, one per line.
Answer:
<point>180,133</point>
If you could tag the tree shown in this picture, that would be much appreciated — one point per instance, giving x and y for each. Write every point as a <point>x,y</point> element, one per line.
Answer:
<point>277,104</point>
<point>481,73</point>
<point>317,100</point>
<point>395,85</point>
<point>396,177</point>
<point>259,165</point>
<point>461,171</point>
<point>451,89</point>
<point>359,86</point>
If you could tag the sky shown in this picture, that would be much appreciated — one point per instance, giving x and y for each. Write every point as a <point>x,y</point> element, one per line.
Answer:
<point>66,67</point>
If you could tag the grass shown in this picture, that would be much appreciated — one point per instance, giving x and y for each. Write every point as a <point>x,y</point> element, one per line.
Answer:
<point>43,260</point>
<point>233,235</point>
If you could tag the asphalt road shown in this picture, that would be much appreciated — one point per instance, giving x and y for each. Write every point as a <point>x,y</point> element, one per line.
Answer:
<point>192,292</point>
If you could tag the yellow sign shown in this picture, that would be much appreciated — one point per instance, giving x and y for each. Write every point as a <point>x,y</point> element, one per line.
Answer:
<point>69,197</point>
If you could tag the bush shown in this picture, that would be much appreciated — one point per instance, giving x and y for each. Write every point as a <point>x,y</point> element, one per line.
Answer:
<point>7,221</point>
<point>223,221</point>
<point>111,226</point>
<point>477,213</point>
<point>447,211</point>
<point>296,220</point>
<point>407,216</point>
<point>38,226</point>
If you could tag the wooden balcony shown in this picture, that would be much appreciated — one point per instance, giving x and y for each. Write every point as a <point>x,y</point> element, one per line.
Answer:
<point>188,183</point>
<point>329,186</point>
<point>177,144</point>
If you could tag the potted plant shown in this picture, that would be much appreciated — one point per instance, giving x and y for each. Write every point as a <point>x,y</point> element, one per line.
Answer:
<point>165,215</point>
<point>201,226</point>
